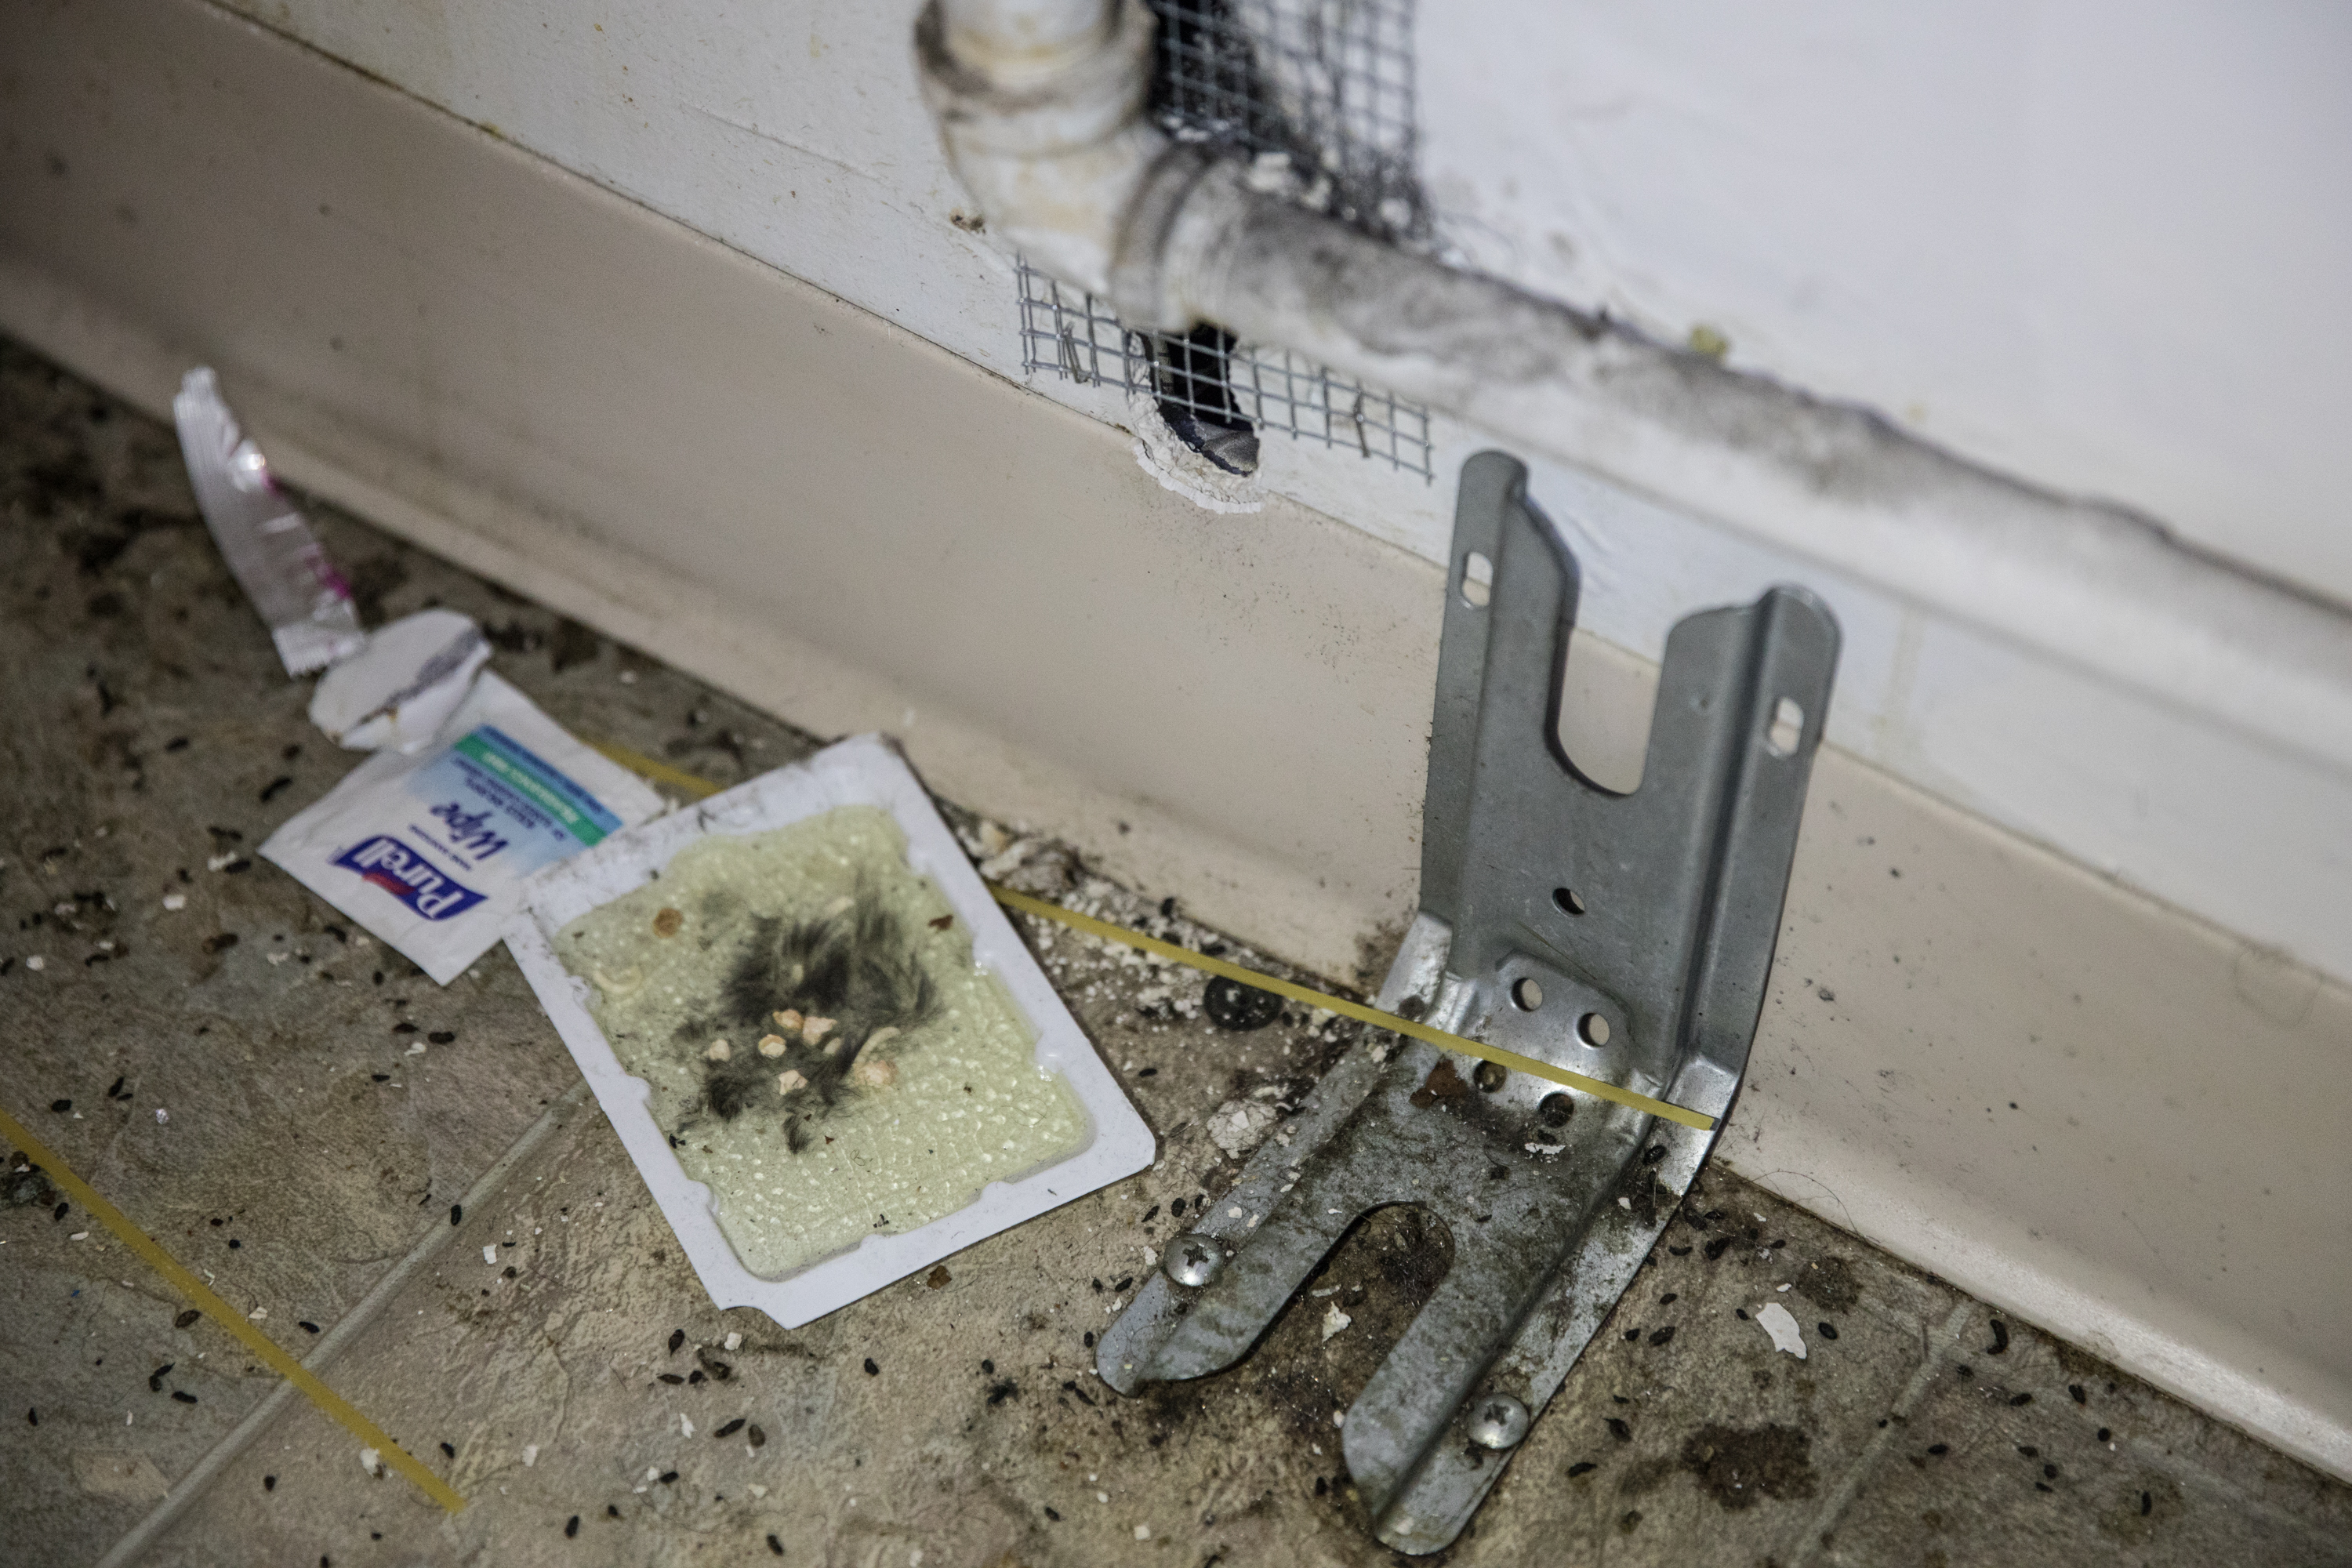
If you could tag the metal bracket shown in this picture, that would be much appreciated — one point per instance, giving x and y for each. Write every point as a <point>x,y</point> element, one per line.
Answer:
<point>1626,937</point>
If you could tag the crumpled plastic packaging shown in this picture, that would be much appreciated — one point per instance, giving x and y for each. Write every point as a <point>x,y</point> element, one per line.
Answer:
<point>397,691</point>
<point>267,543</point>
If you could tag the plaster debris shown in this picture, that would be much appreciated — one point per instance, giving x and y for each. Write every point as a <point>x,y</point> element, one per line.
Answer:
<point>1240,1125</point>
<point>1334,1321</point>
<point>417,1049</point>
<point>37,962</point>
<point>161,1116</point>
<point>529,1455</point>
<point>1165,456</point>
<point>175,900</point>
<point>372,1462</point>
<point>490,1254</point>
<point>1776,1320</point>
<point>734,1342</point>
<point>685,1425</point>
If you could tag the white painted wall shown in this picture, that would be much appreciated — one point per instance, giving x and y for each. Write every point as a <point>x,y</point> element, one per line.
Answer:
<point>793,133</point>
<point>2102,245</point>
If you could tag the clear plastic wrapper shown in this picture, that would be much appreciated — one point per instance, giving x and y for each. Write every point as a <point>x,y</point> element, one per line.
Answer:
<point>267,543</point>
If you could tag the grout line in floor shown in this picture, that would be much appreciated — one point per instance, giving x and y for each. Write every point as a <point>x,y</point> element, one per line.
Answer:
<point>1807,1546</point>
<point>200,1477</point>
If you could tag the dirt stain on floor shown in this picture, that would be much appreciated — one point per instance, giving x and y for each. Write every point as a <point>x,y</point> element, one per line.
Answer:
<point>1738,1468</point>
<point>1830,1285</point>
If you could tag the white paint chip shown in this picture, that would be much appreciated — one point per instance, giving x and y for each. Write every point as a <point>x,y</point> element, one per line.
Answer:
<point>529,1455</point>
<point>734,1342</point>
<point>175,901</point>
<point>372,1462</point>
<point>1334,1321</point>
<point>685,1425</point>
<point>490,1254</point>
<point>1776,1322</point>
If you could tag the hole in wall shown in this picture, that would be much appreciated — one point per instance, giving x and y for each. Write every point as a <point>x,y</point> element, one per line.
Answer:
<point>1592,1029</point>
<point>1490,1076</point>
<point>1567,901</point>
<point>1556,1110</point>
<point>1787,728</point>
<point>1526,995</point>
<point>1478,580</point>
<point>1195,385</point>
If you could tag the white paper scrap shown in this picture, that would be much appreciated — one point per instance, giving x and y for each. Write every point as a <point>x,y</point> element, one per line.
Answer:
<point>1776,1320</point>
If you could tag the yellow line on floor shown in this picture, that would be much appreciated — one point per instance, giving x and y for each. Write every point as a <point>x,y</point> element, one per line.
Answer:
<point>693,785</point>
<point>1595,1087</point>
<point>227,1316</point>
<point>662,773</point>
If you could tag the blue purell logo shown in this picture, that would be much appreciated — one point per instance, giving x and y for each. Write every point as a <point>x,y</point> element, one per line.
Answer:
<point>409,877</point>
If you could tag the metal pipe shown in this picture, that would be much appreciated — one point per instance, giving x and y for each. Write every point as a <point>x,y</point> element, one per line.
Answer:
<point>1172,239</point>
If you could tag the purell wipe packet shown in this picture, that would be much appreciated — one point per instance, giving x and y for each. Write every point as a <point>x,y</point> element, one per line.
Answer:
<point>428,849</point>
<point>268,546</point>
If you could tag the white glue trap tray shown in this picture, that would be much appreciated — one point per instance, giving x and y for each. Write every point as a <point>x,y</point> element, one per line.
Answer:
<point>778,1014</point>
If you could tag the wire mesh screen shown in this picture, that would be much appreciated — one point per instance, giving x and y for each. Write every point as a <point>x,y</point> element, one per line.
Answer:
<point>1325,84</point>
<point>1319,95</point>
<point>1073,332</point>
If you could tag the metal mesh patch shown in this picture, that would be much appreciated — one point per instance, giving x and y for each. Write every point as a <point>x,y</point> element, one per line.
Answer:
<point>1321,89</point>
<point>1074,334</point>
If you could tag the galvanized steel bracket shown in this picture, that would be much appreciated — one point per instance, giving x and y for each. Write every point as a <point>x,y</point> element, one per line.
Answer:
<point>1625,937</point>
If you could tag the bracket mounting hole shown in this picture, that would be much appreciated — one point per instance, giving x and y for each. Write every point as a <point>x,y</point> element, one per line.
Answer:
<point>1556,1110</point>
<point>1568,900</point>
<point>1526,995</point>
<point>1478,580</point>
<point>1788,728</point>
<point>1489,1076</point>
<point>1592,1029</point>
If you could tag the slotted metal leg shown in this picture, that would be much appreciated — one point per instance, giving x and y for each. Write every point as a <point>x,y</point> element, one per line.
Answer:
<point>1626,937</point>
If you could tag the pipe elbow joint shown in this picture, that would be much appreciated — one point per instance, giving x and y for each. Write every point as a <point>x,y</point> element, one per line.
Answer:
<point>1053,145</point>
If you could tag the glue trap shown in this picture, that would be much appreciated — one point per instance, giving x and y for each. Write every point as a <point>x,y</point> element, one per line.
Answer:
<point>845,1065</point>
